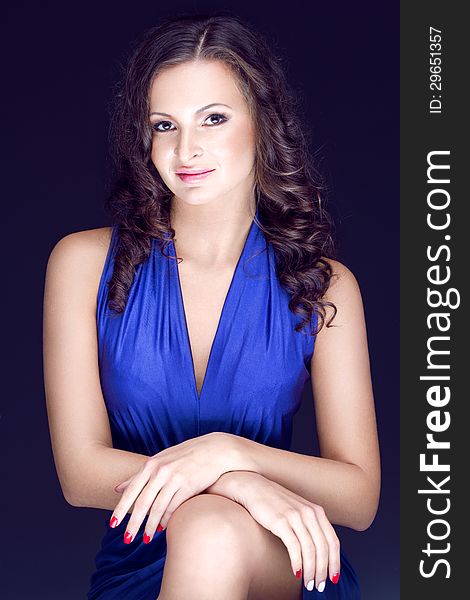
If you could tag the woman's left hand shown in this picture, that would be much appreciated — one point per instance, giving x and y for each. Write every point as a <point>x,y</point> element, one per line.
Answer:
<point>169,478</point>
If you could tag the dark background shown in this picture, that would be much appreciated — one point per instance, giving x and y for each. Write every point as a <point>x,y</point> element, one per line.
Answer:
<point>59,66</point>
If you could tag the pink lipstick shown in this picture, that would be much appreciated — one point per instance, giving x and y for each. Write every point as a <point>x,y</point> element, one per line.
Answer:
<point>195,177</point>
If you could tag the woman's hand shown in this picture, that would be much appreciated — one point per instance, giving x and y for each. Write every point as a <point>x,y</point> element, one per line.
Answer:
<point>169,478</point>
<point>309,537</point>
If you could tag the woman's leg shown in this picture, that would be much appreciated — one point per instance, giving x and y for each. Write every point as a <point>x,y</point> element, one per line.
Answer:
<point>215,549</point>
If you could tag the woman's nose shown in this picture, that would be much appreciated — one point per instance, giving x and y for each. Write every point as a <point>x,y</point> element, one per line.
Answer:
<point>187,145</point>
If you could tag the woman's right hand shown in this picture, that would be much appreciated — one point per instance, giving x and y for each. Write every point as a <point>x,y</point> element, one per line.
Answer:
<point>303,527</point>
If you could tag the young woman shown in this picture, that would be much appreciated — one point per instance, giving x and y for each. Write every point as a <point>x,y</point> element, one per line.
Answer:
<point>177,342</point>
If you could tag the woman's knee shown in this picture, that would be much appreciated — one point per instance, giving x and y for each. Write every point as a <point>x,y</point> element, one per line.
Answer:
<point>213,524</point>
<point>215,533</point>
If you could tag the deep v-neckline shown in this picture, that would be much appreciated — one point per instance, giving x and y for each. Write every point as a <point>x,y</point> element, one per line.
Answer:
<point>222,317</point>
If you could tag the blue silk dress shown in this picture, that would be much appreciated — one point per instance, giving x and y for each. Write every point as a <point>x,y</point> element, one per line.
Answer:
<point>253,385</point>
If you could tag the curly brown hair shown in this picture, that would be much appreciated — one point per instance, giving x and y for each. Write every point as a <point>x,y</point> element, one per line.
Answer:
<point>288,188</point>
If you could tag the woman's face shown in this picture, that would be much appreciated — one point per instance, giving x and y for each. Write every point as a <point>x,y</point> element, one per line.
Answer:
<point>187,135</point>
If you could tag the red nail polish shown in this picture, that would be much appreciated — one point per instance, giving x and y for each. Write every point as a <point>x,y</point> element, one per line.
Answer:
<point>113,523</point>
<point>127,538</point>
<point>335,578</point>
<point>298,573</point>
<point>159,528</point>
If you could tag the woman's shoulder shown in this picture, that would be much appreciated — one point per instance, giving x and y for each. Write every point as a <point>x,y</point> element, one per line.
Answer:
<point>88,248</point>
<point>343,282</point>
<point>346,306</point>
<point>78,259</point>
<point>339,269</point>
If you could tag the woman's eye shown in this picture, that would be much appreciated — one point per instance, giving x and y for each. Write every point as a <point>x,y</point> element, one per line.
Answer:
<point>221,118</point>
<point>156,126</point>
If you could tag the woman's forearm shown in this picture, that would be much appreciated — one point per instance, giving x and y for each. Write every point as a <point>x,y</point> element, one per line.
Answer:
<point>102,468</point>
<point>98,471</point>
<point>348,495</point>
<point>344,490</point>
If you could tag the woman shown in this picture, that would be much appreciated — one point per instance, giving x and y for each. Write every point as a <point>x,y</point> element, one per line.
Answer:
<point>172,384</point>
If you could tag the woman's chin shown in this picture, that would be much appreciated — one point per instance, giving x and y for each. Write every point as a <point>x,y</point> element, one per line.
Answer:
<point>195,199</point>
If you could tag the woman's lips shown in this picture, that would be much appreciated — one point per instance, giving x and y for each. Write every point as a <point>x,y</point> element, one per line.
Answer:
<point>187,178</point>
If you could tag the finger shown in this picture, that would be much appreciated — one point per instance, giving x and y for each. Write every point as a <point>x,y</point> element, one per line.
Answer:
<point>121,486</point>
<point>334,560</point>
<point>282,528</point>
<point>181,496</point>
<point>128,497</point>
<point>154,521</point>
<point>310,516</point>
<point>142,507</point>
<point>307,548</point>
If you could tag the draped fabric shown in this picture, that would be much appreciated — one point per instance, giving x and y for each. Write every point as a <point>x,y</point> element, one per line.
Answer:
<point>253,385</point>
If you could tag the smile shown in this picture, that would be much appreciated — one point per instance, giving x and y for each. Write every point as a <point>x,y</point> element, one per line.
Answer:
<point>194,178</point>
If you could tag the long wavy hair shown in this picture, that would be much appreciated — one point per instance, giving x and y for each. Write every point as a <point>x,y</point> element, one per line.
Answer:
<point>289,189</point>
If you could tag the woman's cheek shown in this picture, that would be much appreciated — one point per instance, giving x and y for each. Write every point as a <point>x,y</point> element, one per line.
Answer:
<point>161,162</point>
<point>236,149</point>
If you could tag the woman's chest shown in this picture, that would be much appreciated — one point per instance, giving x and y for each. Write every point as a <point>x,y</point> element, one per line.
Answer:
<point>203,294</point>
<point>183,360</point>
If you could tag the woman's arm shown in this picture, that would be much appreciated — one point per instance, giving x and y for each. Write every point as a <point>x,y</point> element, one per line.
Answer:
<point>87,465</point>
<point>99,474</point>
<point>345,480</point>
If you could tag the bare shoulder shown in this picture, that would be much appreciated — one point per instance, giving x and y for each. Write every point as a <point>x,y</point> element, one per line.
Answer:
<point>344,291</point>
<point>77,260</point>
<point>83,245</point>
<point>342,277</point>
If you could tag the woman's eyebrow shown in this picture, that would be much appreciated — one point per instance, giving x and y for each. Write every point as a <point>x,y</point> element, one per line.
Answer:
<point>198,111</point>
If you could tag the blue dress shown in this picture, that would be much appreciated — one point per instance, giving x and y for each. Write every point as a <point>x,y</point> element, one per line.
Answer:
<point>253,385</point>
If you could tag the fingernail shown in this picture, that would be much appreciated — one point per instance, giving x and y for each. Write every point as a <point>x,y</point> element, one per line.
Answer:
<point>298,573</point>
<point>159,528</point>
<point>113,523</point>
<point>127,537</point>
<point>311,585</point>
<point>146,538</point>
<point>321,586</point>
<point>335,578</point>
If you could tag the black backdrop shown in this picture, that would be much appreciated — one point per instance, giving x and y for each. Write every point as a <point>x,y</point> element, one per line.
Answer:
<point>59,64</point>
